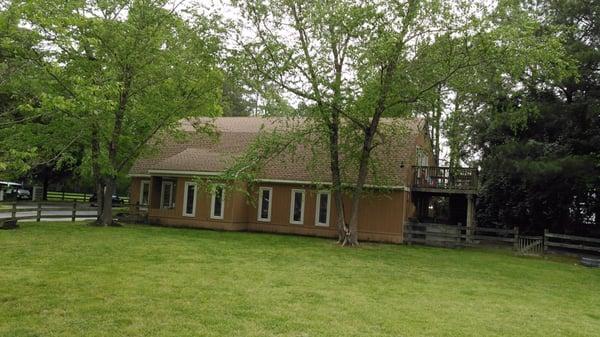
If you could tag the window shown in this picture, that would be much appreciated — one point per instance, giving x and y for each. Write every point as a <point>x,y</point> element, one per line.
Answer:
<point>264,203</point>
<point>189,199</point>
<point>297,207</point>
<point>166,195</point>
<point>144,193</point>
<point>322,212</point>
<point>217,202</point>
<point>422,158</point>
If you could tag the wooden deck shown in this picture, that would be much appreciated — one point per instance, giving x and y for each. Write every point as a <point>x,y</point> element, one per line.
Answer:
<point>445,180</point>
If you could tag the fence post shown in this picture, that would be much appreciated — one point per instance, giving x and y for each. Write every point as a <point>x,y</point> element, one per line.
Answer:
<point>39,212</point>
<point>14,211</point>
<point>545,239</point>
<point>516,234</point>
<point>74,210</point>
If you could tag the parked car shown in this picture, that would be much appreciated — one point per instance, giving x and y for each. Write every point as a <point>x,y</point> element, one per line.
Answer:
<point>23,194</point>
<point>17,194</point>
<point>116,201</point>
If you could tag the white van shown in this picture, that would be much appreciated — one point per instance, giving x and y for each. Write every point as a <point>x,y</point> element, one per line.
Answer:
<point>6,186</point>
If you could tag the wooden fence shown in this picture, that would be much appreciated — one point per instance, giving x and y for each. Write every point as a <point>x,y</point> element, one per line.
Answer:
<point>49,210</point>
<point>530,245</point>
<point>72,196</point>
<point>435,234</point>
<point>458,236</point>
<point>570,243</point>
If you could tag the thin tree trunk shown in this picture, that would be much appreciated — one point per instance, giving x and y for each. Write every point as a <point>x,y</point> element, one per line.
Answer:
<point>45,184</point>
<point>436,126</point>
<point>453,138</point>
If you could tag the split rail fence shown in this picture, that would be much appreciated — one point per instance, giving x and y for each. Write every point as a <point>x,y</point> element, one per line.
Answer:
<point>48,210</point>
<point>434,234</point>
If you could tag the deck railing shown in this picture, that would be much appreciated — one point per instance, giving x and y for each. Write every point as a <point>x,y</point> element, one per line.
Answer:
<point>445,178</point>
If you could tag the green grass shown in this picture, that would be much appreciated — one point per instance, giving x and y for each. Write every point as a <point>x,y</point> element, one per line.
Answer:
<point>65,279</point>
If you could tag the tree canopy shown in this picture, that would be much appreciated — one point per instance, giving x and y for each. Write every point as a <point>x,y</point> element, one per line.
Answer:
<point>353,63</point>
<point>112,74</point>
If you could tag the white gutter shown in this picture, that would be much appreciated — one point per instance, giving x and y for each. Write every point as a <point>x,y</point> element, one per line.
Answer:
<point>139,175</point>
<point>273,181</point>
<point>183,173</point>
<point>304,182</point>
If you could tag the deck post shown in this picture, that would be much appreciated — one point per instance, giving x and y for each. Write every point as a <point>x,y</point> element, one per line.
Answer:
<point>38,217</point>
<point>470,216</point>
<point>14,211</point>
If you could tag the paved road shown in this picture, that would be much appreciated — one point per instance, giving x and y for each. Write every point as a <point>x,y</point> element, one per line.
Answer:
<point>81,215</point>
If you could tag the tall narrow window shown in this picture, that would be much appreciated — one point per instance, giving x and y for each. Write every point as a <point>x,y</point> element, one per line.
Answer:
<point>422,157</point>
<point>166,195</point>
<point>264,203</point>
<point>189,199</point>
<point>217,202</point>
<point>297,207</point>
<point>322,208</point>
<point>144,193</point>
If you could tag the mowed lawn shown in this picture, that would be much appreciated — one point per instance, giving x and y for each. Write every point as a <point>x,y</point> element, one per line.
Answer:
<point>65,279</point>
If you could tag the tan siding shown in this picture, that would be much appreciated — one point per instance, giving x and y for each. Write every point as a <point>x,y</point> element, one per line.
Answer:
<point>381,215</point>
<point>134,191</point>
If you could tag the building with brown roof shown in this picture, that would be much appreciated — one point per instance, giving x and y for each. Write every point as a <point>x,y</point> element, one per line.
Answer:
<point>289,195</point>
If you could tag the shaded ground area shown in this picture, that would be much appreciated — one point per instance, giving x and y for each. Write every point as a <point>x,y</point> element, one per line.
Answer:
<point>66,279</point>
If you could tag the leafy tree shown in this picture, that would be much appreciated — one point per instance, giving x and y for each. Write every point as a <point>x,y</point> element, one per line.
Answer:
<point>13,160</point>
<point>117,73</point>
<point>544,171</point>
<point>237,99</point>
<point>356,62</point>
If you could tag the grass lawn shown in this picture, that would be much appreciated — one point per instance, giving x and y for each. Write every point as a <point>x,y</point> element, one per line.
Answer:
<point>65,279</point>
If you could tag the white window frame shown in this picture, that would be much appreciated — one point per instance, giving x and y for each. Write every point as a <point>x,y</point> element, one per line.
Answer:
<point>326,223</point>
<point>293,195</point>
<point>260,200</point>
<point>142,183</point>
<point>162,194</point>
<point>185,198</point>
<point>212,202</point>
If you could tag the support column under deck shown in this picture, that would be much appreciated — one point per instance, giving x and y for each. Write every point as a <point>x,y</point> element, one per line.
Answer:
<point>470,216</point>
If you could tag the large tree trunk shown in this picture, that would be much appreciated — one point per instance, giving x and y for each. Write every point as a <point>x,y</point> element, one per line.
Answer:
<point>95,147</point>
<point>105,213</point>
<point>336,180</point>
<point>351,238</point>
<point>369,135</point>
<point>105,217</point>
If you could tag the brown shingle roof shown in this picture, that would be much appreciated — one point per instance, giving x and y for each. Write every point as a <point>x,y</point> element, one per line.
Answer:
<point>203,153</point>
